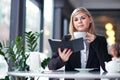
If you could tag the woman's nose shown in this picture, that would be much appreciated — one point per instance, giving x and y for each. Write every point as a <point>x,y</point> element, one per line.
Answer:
<point>79,20</point>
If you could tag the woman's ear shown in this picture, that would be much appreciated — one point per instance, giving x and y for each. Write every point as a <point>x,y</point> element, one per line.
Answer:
<point>91,19</point>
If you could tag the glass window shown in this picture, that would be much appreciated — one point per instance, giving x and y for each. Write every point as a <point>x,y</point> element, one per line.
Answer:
<point>48,25</point>
<point>5,6</point>
<point>65,26</point>
<point>32,17</point>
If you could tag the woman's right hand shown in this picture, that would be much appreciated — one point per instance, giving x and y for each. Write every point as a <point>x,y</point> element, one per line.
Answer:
<point>65,54</point>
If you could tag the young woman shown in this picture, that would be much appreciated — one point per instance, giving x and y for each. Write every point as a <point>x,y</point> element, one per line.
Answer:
<point>95,53</point>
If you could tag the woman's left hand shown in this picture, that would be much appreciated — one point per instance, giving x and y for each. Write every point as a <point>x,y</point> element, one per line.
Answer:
<point>90,37</point>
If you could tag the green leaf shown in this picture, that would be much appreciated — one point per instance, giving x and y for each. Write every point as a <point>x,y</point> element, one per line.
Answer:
<point>31,39</point>
<point>1,46</point>
<point>45,62</point>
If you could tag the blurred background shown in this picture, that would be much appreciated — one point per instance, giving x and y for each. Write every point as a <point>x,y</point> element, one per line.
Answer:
<point>52,16</point>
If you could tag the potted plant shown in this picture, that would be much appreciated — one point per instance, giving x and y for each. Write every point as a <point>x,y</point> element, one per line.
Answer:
<point>31,39</point>
<point>15,56</point>
<point>15,52</point>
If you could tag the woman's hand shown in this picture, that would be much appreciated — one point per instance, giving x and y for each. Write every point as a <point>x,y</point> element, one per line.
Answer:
<point>65,54</point>
<point>90,37</point>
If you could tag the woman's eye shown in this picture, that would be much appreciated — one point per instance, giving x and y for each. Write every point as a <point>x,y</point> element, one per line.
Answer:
<point>82,17</point>
<point>76,19</point>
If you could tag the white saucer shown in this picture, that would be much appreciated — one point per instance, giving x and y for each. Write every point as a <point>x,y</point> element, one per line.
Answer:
<point>84,69</point>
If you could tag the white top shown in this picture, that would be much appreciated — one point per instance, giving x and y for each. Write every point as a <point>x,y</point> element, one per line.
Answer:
<point>84,55</point>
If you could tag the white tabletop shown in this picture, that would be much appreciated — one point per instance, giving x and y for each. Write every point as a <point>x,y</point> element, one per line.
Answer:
<point>62,74</point>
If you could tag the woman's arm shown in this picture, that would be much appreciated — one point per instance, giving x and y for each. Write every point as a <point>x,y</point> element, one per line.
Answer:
<point>100,47</point>
<point>56,61</point>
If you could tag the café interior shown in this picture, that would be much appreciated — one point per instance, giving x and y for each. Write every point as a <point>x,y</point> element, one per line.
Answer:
<point>53,16</point>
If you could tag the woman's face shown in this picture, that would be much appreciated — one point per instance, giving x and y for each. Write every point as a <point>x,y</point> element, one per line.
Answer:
<point>81,22</point>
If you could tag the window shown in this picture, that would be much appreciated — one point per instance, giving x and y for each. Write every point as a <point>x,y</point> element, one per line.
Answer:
<point>5,6</point>
<point>48,25</point>
<point>32,17</point>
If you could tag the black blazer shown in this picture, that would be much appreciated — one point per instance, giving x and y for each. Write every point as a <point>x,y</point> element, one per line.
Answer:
<point>98,54</point>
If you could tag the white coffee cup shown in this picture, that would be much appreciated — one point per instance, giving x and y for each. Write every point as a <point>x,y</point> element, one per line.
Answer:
<point>34,61</point>
<point>79,35</point>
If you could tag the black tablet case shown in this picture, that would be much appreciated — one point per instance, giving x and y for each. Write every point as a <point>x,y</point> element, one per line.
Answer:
<point>75,45</point>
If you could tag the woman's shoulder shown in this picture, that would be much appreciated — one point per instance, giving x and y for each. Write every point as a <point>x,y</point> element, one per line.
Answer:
<point>100,37</point>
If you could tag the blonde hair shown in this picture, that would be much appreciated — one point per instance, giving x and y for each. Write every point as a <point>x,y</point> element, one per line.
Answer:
<point>76,11</point>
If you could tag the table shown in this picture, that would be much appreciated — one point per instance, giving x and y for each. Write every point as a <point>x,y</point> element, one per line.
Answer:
<point>62,74</point>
